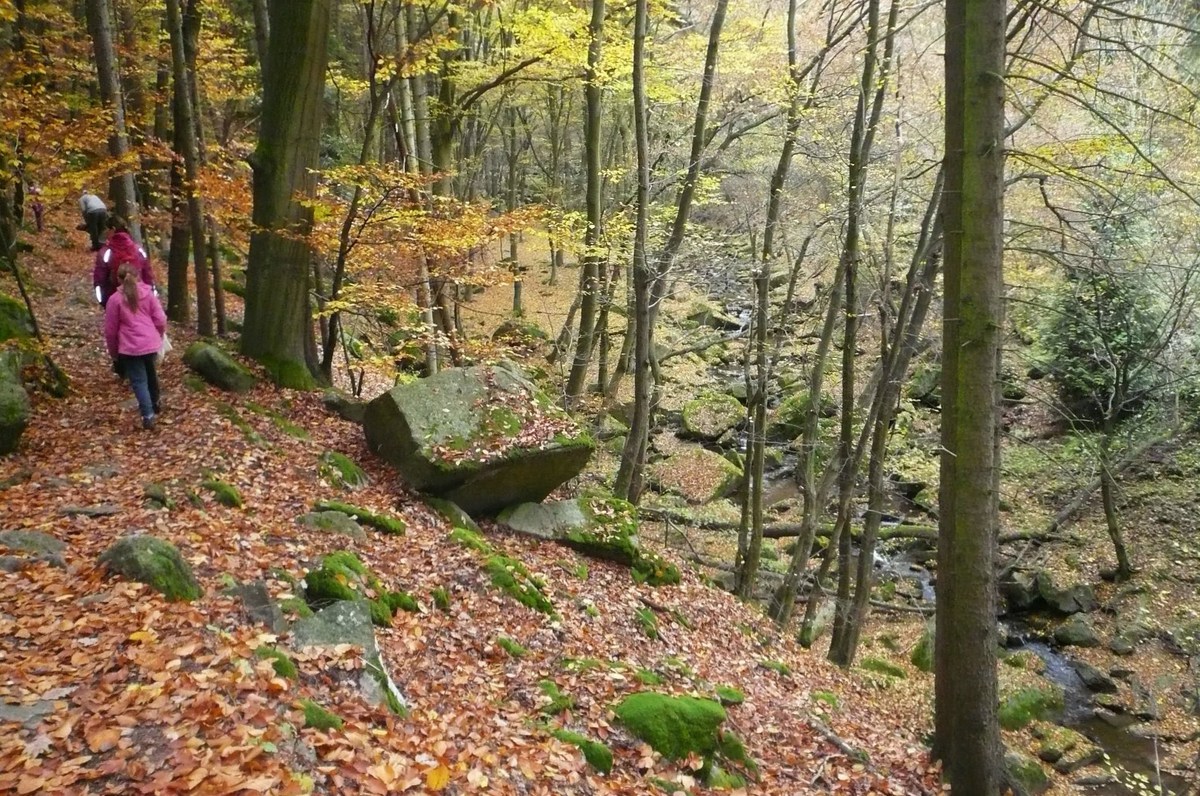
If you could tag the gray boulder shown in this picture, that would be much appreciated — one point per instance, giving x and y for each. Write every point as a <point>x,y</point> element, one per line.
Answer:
<point>711,414</point>
<point>1077,632</point>
<point>1094,679</point>
<point>14,403</point>
<point>333,522</point>
<point>344,406</point>
<point>1066,600</point>
<point>155,562</point>
<point>36,545</point>
<point>218,368</point>
<point>482,437</point>
<point>260,608</point>
<point>349,622</point>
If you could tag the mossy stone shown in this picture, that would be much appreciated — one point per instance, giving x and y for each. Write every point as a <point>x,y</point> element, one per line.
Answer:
<point>1024,774</point>
<point>880,666</point>
<point>380,522</point>
<point>513,578</point>
<point>225,493</point>
<point>15,322</point>
<point>280,662</point>
<point>340,470</point>
<point>1030,703</point>
<point>155,562</point>
<point>14,410</point>
<point>675,727</point>
<point>513,648</point>
<point>452,513</point>
<point>712,414</point>
<point>728,695</point>
<point>698,475</point>
<point>922,654</point>
<point>218,368</point>
<point>318,717</point>
<point>597,754</point>
<point>333,522</point>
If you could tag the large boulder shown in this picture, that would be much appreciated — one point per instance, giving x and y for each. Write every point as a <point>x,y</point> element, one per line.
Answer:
<point>349,622</point>
<point>14,319</point>
<point>155,562</point>
<point>14,405</point>
<point>711,414</point>
<point>483,437</point>
<point>218,368</point>
<point>696,474</point>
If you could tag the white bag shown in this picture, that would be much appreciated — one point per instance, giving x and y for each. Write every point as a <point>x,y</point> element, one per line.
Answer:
<point>164,349</point>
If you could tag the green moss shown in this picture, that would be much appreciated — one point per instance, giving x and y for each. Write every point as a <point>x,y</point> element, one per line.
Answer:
<point>156,496</point>
<point>922,654</point>
<point>225,493</point>
<point>318,717</point>
<point>597,754</point>
<point>380,522</point>
<point>513,578</point>
<point>581,664</point>
<point>880,666</point>
<point>648,677</point>
<point>514,649</point>
<point>381,613</point>
<point>154,562</point>
<point>296,607</point>
<point>1027,704</point>
<point>288,373</point>
<point>559,701</point>
<point>592,611</point>
<point>283,665</point>
<point>653,570</point>
<point>340,470</point>
<point>236,288</point>
<point>647,622</point>
<point>728,695</point>
<point>1028,774</point>
<point>228,412</point>
<point>344,561</point>
<point>776,666</point>
<point>401,601</point>
<point>675,727</point>
<point>720,779</point>
<point>827,697</point>
<point>195,383</point>
<point>324,586</point>
<point>441,598</point>
<point>472,540</point>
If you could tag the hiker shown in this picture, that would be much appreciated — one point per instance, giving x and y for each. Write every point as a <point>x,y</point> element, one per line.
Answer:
<point>35,204</point>
<point>134,324</point>
<point>119,248</point>
<point>95,216</point>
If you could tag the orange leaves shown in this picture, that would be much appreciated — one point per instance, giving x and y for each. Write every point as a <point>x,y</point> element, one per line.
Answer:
<point>103,739</point>
<point>437,778</point>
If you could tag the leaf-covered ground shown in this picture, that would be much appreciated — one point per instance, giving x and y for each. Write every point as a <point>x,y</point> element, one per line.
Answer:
<point>137,695</point>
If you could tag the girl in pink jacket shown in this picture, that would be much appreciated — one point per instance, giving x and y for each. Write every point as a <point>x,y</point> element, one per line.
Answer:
<point>134,323</point>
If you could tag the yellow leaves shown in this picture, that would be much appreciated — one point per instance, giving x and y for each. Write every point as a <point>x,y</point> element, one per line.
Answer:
<point>437,778</point>
<point>144,636</point>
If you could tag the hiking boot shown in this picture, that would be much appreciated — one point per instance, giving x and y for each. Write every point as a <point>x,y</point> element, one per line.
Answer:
<point>157,408</point>
<point>148,422</point>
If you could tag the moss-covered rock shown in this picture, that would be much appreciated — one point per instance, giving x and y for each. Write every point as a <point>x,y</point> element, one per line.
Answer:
<point>1029,703</point>
<point>1024,774</point>
<point>513,648</point>
<point>712,414</point>
<point>280,662</point>
<point>380,522</point>
<point>675,727</point>
<point>342,471</point>
<point>343,577</point>
<point>318,717</point>
<point>728,695</point>
<point>597,754</point>
<point>786,422</point>
<point>1077,631</point>
<point>155,562</point>
<point>514,579</point>
<point>14,404</point>
<point>333,522</point>
<point>225,493</point>
<point>881,666</point>
<point>482,437</point>
<point>696,474</point>
<point>452,513</point>
<point>218,368</point>
<point>922,654</point>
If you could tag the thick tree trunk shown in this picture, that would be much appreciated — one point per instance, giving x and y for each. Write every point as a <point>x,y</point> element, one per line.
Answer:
<point>967,737</point>
<point>107,72</point>
<point>278,329</point>
<point>589,273</point>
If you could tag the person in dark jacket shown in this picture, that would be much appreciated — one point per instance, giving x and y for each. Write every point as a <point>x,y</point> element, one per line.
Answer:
<point>120,248</point>
<point>95,216</point>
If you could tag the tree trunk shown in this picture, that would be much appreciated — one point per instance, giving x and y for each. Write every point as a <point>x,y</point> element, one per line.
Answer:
<point>628,483</point>
<point>1108,498</point>
<point>278,329</point>
<point>589,273</point>
<point>186,135</point>
<point>107,72</point>
<point>262,35</point>
<point>967,736</point>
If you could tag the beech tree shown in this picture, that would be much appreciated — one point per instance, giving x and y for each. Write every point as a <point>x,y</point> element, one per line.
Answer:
<point>278,329</point>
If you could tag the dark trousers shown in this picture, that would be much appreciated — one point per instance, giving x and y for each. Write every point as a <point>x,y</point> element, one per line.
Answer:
<point>143,377</point>
<point>96,221</point>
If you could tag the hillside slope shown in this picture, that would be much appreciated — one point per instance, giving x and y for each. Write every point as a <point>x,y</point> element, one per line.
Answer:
<point>107,688</point>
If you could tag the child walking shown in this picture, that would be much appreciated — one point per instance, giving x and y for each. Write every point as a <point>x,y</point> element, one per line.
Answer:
<point>134,323</point>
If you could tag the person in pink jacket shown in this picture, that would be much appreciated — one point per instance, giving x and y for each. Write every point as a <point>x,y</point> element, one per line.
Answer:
<point>134,323</point>
<point>119,248</point>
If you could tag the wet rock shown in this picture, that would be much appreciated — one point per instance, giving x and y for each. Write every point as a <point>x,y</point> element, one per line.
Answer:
<point>1077,632</point>
<point>1095,680</point>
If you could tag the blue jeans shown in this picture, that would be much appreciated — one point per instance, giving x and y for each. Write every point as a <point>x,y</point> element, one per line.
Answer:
<point>143,377</point>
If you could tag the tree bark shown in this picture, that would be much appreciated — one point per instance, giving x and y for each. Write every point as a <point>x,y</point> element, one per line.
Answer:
<point>589,274</point>
<point>278,328</point>
<point>186,135</point>
<point>108,74</point>
<point>967,736</point>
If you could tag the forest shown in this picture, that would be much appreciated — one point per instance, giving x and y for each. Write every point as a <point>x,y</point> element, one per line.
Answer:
<point>573,396</point>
